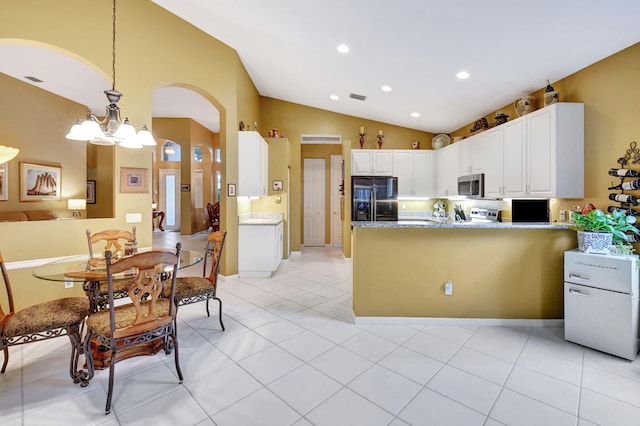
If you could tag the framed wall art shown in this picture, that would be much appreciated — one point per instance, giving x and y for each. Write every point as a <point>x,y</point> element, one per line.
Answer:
<point>39,182</point>
<point>91,192</point>
<point>4,182</point>
<point>134,180</point>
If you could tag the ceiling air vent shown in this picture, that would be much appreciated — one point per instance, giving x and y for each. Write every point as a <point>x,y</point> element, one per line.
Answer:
<point>358,97</point>
<point>321,139</point>
<point>34,79</point>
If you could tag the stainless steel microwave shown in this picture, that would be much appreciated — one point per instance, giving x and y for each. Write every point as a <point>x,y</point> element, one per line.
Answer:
<point>471,186</point>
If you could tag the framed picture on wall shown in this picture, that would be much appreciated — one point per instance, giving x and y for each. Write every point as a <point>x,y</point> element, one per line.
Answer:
<point>4,183</point>
<point>134,180</point>
<point>91,192</point>
<point>39,182</point>
<point>231,190</point>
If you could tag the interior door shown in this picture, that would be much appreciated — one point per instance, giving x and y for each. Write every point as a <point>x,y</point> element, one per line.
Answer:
<point>334,198</point>
<point>169,198</point>
<point>314,204</point>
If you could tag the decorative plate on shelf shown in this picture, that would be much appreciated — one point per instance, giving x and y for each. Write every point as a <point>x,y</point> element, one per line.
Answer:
<point>440,141</point>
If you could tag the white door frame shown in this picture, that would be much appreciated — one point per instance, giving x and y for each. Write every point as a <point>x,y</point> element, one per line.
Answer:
<point>172,212</point>
<point>334,200</point>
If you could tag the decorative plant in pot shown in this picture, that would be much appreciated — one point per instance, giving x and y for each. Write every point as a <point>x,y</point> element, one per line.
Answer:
<point>598,231</point>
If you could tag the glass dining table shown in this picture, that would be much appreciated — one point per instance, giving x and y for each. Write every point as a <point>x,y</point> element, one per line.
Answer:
<point>91,272</point>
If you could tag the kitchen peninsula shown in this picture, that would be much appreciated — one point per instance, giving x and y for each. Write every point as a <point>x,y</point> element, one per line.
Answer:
<point>497,270</point>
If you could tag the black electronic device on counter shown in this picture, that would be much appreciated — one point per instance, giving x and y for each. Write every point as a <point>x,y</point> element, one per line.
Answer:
<point>530,210</point>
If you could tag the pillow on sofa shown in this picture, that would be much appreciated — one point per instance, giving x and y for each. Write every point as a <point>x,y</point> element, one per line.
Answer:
<point>40,214</point>
<point>12,216</point>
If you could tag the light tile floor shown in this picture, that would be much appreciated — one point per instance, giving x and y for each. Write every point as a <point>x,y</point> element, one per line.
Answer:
<point>291,355</point>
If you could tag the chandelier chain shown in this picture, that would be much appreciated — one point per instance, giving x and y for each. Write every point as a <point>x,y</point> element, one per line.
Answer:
<point>113,47</point>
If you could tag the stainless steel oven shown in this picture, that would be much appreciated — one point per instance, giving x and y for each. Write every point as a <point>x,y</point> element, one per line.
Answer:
<point>471,186</point>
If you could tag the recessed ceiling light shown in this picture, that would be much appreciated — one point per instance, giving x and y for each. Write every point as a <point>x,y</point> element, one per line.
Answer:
<point>343,48</point>
<point>415,114</point>
<point>462,75</point>
<point>386,88</point>
<point>334,97</point>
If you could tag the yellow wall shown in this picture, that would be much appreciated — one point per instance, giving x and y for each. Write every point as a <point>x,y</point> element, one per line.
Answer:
<point>36,121</point>
<point>499,273</point>
<point>158,50</point>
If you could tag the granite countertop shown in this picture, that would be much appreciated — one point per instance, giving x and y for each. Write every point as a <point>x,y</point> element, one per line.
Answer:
<point>260,218</point>
<point>459,225</point>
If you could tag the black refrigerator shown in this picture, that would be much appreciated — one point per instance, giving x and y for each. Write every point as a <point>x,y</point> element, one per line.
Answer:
<point>375,198</point>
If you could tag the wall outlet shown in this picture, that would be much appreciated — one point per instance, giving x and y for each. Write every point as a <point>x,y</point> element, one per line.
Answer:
<point>68,283</point>
<point>134,217</point>
<point>448,288</point>
<point>563,215</point>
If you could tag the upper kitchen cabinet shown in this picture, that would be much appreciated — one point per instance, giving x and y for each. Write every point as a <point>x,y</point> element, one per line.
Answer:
<point>505,147</point>
<point>371,162</point>
<point>447,168</point>
<point>415,170</point>
<point>555,151</point>
<point>476,153</point>
<point>253,160</point>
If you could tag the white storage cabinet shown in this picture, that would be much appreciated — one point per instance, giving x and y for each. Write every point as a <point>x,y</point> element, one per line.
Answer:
<point>415,170</point>
<point>253,163</point>
<point>601,302</point>
<point>259,249</point>
<point>371,162</point>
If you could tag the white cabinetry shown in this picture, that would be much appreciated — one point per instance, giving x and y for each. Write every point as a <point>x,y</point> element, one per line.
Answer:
<point>371,162</point>
<point>555,151</point>
<point>253,163</point>
<point>505,173</point>
<point>447,168</point>
<point>415,171</point>
<point>259,249</point>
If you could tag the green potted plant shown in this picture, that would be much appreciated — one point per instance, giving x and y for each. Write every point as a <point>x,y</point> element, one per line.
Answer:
<point>598,231</point>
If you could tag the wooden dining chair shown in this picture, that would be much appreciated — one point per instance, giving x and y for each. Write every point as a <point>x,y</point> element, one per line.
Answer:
<point>148,316</point>
<point>197,289</point>
<point>45,320</point>
<point>213,210</point>
<point>115,240</point>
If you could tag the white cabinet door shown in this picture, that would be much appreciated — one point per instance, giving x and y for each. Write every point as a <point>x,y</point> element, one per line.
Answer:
<point>415,170</point>
<point>252,165</point>
<point>424,174</point>
<point>361,162</point>
<point>382,162</point>
<point>447,169</point>
<point>489,160</point>
<point>371,162</point>
<point>403,166</point>
<point>555,151</point>
<point>514,165</point>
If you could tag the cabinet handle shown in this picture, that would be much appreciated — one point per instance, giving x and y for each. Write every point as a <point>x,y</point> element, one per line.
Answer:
<point>577,277</point>
<point>578,292</point>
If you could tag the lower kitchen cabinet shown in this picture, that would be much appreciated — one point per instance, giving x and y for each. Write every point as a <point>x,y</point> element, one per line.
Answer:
<point>259,249</point>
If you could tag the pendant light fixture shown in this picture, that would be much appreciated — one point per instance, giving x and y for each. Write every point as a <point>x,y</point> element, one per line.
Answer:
<point>7,153</point>
<point>112,129</point>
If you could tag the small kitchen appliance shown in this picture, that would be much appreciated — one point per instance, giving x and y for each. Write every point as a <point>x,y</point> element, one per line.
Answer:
<point>471,186</point>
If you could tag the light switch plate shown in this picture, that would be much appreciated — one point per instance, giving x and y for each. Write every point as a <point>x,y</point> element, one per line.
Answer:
<point>134,217</point>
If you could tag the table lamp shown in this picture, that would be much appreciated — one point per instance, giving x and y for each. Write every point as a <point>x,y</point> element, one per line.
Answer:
<point>76,204</point>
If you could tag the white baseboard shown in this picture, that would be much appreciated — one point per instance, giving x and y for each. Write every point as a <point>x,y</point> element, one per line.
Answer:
<point>483,322</point>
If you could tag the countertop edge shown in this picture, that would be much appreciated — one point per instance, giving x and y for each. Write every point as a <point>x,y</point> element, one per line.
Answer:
<point>465,225</point>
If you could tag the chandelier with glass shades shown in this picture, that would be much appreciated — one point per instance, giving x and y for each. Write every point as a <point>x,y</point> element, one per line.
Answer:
<point>112,129</point>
